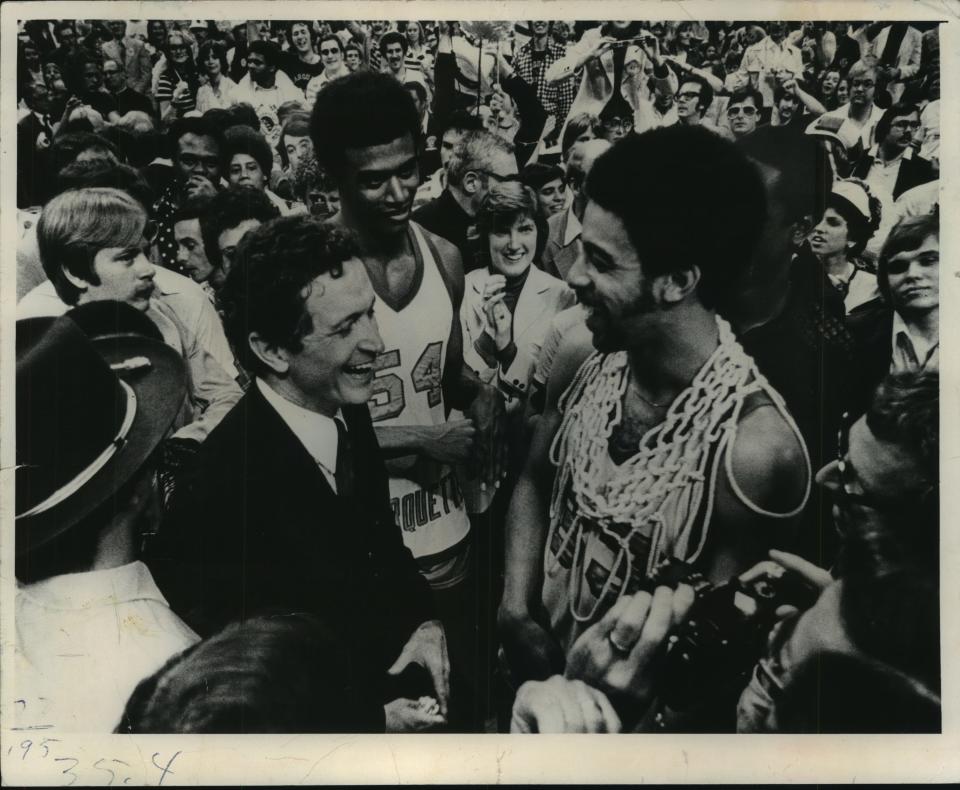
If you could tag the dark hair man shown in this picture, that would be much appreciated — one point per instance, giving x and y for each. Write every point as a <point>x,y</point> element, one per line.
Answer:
<point>532,62</point>
<point>266,87</point>
<point>365,132</point>
<point>83,498</point>
<point>576,545</point>
<point>84,77</point>
<point>550,184</point>
<point>693,99</point>
<point>743,112</point>
<point>196,146</point>
<point>393,48</point>
<point>864,657</point>
<point>191,256</point>
<point>892,165</point>
<point>563,242</point>
<point>313,530</point>
<point>34,138</point>
<point>227,219</point>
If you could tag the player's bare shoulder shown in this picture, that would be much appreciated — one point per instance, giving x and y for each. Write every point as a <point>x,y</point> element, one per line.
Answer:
<point>451,262</point>
<point>768,461</point>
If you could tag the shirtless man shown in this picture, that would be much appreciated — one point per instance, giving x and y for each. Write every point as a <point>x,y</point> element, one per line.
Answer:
<point>667,443</point>
<point>365,132</point>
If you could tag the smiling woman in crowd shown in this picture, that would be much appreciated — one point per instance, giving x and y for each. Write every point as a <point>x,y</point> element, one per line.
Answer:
<point>509,303</point>
<point>218,90</point>
<point>177,87</point>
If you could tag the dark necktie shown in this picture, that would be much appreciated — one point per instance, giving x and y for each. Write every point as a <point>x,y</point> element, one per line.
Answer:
<point>344,473</point>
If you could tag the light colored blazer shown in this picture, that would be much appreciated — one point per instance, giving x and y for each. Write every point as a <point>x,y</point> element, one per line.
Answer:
<point>542,297</point>
<point>908,55</point>
<point>137,63</point>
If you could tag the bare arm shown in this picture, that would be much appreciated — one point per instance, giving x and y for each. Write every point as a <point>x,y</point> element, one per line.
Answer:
<point>531,651</point>
<point>760,501</point>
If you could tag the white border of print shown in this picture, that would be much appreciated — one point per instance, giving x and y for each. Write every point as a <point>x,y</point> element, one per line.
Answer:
<point>235,760</point>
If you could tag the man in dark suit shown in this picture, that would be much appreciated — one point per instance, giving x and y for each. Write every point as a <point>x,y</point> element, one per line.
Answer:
<point>127,99</point>
<point>891,166</point>
<point>131,54</point>
<point>287,508</point>
<point>34,137</point>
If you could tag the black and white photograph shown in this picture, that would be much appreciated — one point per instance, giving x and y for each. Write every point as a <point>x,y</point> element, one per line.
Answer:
<point>420,376</point>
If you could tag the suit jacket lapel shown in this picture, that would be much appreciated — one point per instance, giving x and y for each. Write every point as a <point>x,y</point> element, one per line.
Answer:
<point>284,457</point>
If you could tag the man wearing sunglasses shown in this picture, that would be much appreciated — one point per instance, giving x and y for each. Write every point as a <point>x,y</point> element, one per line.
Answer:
<point>743,112</point>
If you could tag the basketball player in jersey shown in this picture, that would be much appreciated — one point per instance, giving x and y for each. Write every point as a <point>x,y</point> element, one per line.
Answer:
<point>366,135</point>
<point>667,443</point>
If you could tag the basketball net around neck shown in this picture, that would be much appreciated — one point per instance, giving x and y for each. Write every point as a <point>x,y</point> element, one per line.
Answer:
<point>669,472</point>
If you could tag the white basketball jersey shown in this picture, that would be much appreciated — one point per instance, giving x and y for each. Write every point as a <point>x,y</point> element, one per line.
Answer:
<point>425,495</point>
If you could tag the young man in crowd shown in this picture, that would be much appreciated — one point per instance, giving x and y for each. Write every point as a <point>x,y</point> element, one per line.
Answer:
<point>531,63</point>
<point>578,544</point>
<point>891,166</point>
<point>773,57</point>
<point>196,145</point>
<point>93,246</point>
<point>227,219</point>
<point>365,132</point>
<point>313,531</point>
<point>564,246</point>
<point>191,257</point>
<point>393,48</point>
<point>906,336</point>
<point>83,501</point>
<point>550,184</point>
<point>743,112</point>
<point>265,87</point>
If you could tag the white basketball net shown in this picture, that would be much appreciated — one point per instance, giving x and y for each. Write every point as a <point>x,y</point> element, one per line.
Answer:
<point>668,475</point>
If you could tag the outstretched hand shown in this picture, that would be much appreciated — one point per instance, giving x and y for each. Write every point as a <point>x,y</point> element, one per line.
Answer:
<point>427,647</point>
<point>619,654</point>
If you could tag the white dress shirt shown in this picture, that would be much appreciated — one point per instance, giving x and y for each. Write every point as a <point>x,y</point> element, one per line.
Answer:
<point>912,351</point>
<point>83,643</point>
<point>316,432</point>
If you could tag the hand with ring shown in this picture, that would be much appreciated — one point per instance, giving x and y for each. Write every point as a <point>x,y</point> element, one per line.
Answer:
<point>621,652</point>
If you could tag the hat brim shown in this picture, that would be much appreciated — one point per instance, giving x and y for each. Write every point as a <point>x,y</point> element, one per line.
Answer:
<point>160,389</point>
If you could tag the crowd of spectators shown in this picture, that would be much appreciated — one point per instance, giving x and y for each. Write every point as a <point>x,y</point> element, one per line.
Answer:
<point>224,180</point>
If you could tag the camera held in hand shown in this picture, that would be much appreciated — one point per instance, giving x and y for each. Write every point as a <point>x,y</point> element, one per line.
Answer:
<point>725,633</point>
